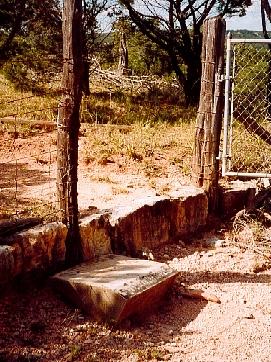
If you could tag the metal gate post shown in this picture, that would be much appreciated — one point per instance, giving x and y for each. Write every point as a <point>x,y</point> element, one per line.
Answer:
<point>226,106</point>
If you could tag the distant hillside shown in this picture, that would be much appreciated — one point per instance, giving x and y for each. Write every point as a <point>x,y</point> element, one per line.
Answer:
<point>247,34</point>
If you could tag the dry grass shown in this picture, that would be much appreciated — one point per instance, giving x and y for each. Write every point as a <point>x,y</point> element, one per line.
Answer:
<point>26,105</point>
<point>99,108</point>
<point>249,152</point>
<point>145,135</point>
<point>151,137</point>
<point>149,148</point>
<point>251,231</point>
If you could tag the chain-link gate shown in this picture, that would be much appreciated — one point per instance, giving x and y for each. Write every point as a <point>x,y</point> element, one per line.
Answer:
<point>247,117</point>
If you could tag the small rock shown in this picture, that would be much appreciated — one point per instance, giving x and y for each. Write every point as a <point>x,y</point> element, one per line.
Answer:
<point>166,256</point>
<point>209,253</point>
<point>220,243</point>
<point>170,332</point>
<point>249,316</point>
<point>133,357</point>
<point>215,243</point>
<point>88,341</point>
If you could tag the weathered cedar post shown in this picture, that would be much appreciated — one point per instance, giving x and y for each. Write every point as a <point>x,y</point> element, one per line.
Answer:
<point>209,118</point>
<point>68,127</point>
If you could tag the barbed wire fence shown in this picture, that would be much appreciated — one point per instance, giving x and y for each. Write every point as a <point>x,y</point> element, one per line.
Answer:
<point>28,154</point>
<point>29,148</point>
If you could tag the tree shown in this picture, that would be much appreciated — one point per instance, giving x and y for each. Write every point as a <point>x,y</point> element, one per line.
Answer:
<point>265,12</point>
<point>30,41</point>
<point>123,51</point>
<point>175,26</point>
<point>91,34</point>
<point>145,57</point>
<point>23,17</point>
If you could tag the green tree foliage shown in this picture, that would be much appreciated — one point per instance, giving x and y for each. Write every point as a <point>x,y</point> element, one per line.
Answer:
<point>145,56</point>
<point>175,26</point>
<point>30,41</point>
<point>92,28</point>
<point>92,34</point>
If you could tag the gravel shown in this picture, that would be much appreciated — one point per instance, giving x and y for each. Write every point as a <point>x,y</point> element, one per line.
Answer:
<point>36,325</point>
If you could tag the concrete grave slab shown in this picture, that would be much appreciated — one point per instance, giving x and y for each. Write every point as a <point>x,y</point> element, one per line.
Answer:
<point>115,286</point>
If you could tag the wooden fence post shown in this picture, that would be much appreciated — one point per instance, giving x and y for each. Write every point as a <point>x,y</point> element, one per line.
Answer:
<point>68,127</point>
<point>210,113</point>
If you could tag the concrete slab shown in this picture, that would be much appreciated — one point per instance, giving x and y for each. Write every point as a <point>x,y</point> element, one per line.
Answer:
<point>115,287</point>
<point>237,195</point>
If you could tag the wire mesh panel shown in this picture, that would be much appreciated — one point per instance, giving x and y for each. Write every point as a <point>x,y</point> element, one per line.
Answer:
<point>28,154</point>
<point>247,122</point>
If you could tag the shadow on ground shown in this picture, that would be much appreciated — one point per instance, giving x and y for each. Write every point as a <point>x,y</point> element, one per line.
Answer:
<point>36,325</point>
<point>14,180</point>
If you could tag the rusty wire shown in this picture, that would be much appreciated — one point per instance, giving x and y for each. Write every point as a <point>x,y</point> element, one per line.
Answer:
<point>28,180</point>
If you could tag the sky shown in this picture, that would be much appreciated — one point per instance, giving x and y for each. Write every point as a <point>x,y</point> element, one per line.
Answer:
<point>251,21</point>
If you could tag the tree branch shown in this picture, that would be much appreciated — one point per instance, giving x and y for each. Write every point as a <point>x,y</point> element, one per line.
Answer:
<point>252,126</point>
<point>267,8</point>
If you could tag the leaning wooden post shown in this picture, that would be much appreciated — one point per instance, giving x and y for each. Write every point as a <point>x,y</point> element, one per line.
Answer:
<point>68,127</point>
<point>210,113</point>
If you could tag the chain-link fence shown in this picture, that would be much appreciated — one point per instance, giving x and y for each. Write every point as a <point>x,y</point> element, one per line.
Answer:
<point>247,127</point>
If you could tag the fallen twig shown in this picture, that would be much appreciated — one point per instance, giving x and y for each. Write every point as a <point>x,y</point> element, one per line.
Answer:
<point>200,294</point>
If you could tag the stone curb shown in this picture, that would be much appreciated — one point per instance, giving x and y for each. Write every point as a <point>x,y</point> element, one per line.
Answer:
<point>148,222</point>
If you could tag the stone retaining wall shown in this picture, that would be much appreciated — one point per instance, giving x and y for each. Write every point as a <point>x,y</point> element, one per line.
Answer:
<point>148,222</point>
<point>42,247</point>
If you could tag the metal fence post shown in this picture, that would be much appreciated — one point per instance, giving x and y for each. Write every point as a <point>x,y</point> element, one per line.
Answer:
<point>226,106</point>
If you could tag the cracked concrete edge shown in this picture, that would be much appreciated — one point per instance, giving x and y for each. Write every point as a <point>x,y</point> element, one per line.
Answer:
<point>157,222</point>
<point>38,248</point>
<point>236,196</point>
<point>115,286</point>
<point>149,222</point>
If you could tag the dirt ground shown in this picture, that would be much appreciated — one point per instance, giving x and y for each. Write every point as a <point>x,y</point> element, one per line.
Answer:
<point>36,325</point>
<point>28,174</point>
